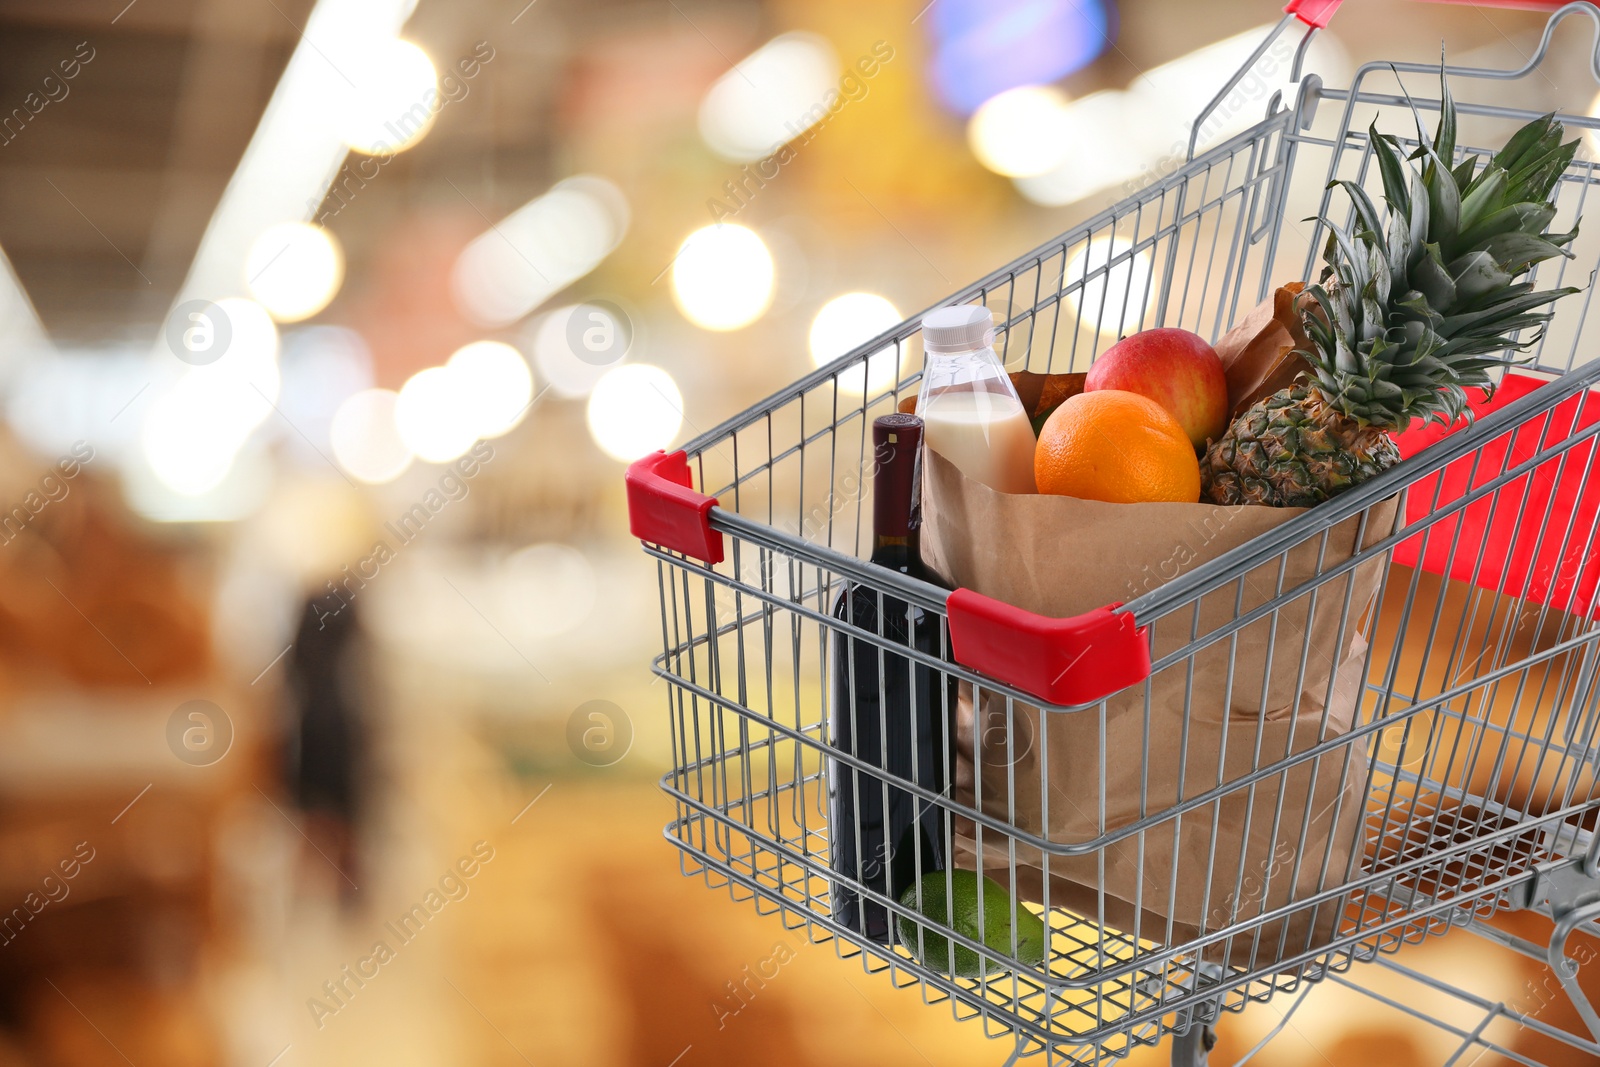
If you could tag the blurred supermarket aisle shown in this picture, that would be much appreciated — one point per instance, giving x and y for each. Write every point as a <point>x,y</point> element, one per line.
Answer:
<point>574,939</point>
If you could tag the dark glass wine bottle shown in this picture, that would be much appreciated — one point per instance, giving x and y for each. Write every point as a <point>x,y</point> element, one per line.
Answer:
<point>887,710</point>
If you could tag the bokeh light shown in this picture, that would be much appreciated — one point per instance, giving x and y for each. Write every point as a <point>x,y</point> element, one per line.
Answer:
<point>189,441</point>
<point>245,379</point>
<point>496,382</point>
<point>365,439</point>
<point>984,47</point>
<point>393,99</point>
<point>1129,144</point>
<point>197,423</point>
<point>1114,301</point>
<point>847,321</point>
<point>770,97</point>
<point>568,356</point>
<point>1022,132</point>
<point>722,278</point>
<point>634,410</point>
<point>435,416</point>
<point>222,494</point>
<point>294,270</point>
<point>539,249</point>
<point>1132,137</point>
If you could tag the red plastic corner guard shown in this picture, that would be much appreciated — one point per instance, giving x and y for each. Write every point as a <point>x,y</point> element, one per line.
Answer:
<point>1061,661</point>
<point>1313,12</point>
<point>665,510</point>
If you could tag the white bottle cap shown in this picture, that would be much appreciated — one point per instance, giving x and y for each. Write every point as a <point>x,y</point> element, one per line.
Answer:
<point>958,328</point>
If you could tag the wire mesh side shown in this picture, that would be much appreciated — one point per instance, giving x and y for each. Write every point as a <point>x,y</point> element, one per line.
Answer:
<point>1174,253</point>
<point>748,666</point>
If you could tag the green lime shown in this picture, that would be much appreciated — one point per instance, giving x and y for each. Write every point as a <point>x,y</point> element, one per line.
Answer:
<point>950,898</point>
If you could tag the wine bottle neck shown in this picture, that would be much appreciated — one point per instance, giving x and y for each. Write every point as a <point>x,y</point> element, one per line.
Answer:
<point>897,505</point>
<point>901,554</point>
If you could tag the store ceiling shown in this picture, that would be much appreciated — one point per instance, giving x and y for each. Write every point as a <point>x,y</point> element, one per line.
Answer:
<point>106,191</point>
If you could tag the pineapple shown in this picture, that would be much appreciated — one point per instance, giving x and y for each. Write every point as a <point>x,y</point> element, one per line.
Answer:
<point>1406,317</point>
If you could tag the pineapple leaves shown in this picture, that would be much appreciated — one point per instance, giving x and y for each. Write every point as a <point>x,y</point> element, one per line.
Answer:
<point>1425,296</point>
<point>1516,251</point>
<point>1478,274</point>
<point>1483,197</point>
<point>1366,210</point>
<point>1526,218</point>
<point>1349,265</point>
<point>1378,284</point>
<point>1432,279</point>
<point>1398,249</point>
<point>1523,140</point>
<point>1444,200</point>
<point>1490,318</point>
<point>1346,361</point>
<point>1420,310</point>
<point>1419,219</point>
<point>1423,144</point>
<point>1393,169</point>
<point>1321,329</point>
<point>1535,179</point>
<point>1444,140</point>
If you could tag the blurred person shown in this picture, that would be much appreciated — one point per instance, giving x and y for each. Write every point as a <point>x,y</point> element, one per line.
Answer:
<point>327,749</point>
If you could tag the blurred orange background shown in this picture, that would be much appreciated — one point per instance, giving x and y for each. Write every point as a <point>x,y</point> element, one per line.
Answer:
<point>304,635</point>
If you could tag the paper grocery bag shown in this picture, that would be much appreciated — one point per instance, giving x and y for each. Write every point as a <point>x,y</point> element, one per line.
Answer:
<point>1261,354</point>
<point>1243,703</point>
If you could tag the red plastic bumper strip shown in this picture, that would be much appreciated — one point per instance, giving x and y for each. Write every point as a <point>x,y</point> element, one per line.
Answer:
<point>1061,661</point>
<point>663,509</point>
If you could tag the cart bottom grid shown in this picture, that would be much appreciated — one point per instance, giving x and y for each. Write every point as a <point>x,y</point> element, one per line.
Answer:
<point>751,820</point>
<point>1481,1031</point>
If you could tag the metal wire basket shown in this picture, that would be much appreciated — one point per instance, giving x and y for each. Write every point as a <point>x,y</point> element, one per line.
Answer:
<point>1474,743</point>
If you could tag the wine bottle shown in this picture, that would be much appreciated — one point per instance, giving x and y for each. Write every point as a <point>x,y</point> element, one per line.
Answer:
<point>888,711</point>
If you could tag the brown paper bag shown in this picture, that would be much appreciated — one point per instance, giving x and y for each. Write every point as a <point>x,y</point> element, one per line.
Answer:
<point>1061,556</point>
<point>1258,355</point>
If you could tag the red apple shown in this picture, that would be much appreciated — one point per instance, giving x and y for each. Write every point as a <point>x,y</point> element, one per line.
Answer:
<point>1176,369</point>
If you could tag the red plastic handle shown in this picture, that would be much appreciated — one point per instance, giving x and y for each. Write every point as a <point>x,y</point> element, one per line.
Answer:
<point>1315,13</point>
<point>665,510</point>
<point>1078,660</point>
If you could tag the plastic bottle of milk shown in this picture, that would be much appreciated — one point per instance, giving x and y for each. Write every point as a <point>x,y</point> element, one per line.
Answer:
<point>970,410</point>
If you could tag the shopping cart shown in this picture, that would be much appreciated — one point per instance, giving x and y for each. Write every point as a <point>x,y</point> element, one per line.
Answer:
<point>1475,740</point>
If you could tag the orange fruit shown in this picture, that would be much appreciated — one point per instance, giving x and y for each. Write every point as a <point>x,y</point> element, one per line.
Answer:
<point>1116,446</point>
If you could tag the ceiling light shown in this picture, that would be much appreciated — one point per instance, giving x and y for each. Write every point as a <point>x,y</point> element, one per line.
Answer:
<point>848,321</point>
<point>365,440</point>
<point>722,278</point>
<point>434,416</point>
<point>539,249</point>
<point>634,410</point>
<point>294,269</point>
<point>770,97</point>
<point>496,382</point>
<point>1023,131</point>
<point>391,99</point>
